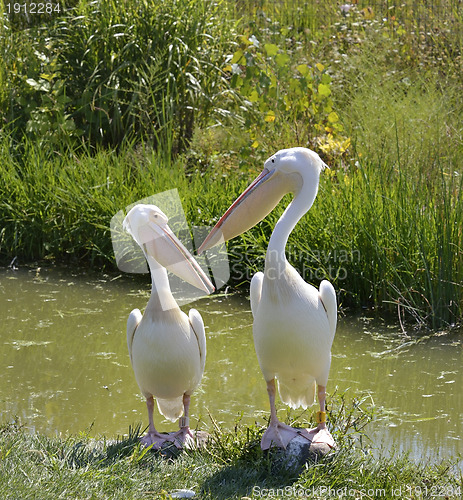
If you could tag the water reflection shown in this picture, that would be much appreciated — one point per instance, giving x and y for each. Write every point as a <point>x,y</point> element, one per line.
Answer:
<point>65,367</point>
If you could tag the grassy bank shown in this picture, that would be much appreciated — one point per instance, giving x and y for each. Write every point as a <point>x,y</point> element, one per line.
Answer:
<point>99,111</point>
<point>231,466</point>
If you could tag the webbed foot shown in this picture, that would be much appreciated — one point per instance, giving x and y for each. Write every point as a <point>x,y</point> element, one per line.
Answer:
<point>154,439</point>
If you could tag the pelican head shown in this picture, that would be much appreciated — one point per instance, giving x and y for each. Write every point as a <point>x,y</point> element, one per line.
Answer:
<point>148,226</point>
<point>287,171</point>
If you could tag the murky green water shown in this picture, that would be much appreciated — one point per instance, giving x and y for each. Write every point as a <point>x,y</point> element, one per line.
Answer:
<point>65,366</point>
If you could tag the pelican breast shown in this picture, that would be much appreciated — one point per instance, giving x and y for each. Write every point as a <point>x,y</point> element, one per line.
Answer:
<point>292,334</point>
<point>166,356</point>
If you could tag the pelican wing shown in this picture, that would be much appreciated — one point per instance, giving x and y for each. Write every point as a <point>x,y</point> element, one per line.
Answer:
<point>196,322</point>
<point>256,291</point>
<point>328,298</point>
<point>132,324</point>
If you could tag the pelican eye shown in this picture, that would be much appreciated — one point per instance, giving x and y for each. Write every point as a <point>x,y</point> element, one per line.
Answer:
<point>273,160</point>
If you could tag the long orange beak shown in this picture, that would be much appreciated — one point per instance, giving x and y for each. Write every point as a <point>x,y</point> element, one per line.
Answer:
<point>169,251</point>
<point>255,203</point>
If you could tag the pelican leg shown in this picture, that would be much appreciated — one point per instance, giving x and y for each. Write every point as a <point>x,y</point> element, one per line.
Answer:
<point>278,434</point>
<point>183,437</point>
<point>321,392</point>
<point>320,434</point>
<point>321,415</point>
<point>153,437</point>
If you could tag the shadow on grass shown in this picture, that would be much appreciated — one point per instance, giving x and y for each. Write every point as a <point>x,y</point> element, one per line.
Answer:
<point>248,471</point>
<point>244,480</point>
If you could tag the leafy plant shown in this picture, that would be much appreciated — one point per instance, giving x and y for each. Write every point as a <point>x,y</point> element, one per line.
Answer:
<point>106,72</point>
<point>46,106</point>
<point>282,97</point>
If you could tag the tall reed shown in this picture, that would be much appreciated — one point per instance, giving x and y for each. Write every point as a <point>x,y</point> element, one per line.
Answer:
<point>108,71</point>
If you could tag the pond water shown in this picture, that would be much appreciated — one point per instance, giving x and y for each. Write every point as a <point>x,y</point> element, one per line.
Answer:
<point>65,366</point>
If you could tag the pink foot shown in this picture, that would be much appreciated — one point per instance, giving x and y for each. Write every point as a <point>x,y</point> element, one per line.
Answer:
<point>183,438</point>
<point>279,435</point>
<point>155,439</point>
<point>321,435</point>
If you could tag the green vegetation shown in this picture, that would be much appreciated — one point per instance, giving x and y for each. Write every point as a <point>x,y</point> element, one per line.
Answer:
<point>231,466</point>
<point>106,72</point>
<point>107,103</point>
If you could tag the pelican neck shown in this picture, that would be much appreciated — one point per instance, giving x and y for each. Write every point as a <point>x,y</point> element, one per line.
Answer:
<point>299,206</point>
<point>161,295</point>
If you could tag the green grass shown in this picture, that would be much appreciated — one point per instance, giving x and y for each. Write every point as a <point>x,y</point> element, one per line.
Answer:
<point>60,207</point>
<point>231,466</point>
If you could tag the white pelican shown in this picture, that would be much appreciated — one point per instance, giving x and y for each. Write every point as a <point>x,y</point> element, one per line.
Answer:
<point>294,323</point>
<point>167,348</point>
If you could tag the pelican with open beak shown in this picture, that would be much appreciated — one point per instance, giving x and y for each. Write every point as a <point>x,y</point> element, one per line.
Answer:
<point>167,348</point>
<point>294,323</point>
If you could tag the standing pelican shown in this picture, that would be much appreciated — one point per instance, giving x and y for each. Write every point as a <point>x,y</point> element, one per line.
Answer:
<point>294,323</point>
<point>167,348</point>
